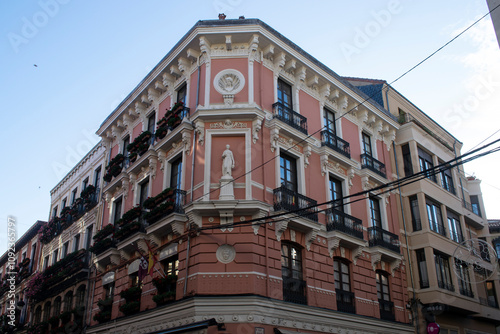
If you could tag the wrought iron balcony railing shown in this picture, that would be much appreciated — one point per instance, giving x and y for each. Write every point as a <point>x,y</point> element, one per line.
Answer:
<point>446,285</point>
<point>337,220</point>
<point>294,290</point>
<point>345,301</point>
<point>335,143</point>
<point>290,117</point>
<point>175,204</point>
<point>490,301</point>
<point>289,200</point>
<point>386,309</point>
<point>380,237</point>
<point>424,284</point>
<point>472,207</point>
<point>466,292</point>
<point>367,161</point>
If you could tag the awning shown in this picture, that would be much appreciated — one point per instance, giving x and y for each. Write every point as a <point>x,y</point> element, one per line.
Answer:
<point>191,327</point>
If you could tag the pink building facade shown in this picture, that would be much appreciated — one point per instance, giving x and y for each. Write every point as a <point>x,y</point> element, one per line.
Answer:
<point>244,165</point>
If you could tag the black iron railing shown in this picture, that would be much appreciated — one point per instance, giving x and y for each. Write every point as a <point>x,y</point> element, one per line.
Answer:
<point>424,284</point>
<point>386,310</point>
<point>367,161</point>
<point>339,221</point>
<point>446,285</point>
<point>345,301</point>
<point>335,143</point>
<point>184,112</point>
<point>380,237</point>
<point>417,224</point>
<point>490,301</point>
<point>290,117</point>
<point>294,290</point>
<point>466,292</point>
<point>472,207</point>
<point>289,200</point>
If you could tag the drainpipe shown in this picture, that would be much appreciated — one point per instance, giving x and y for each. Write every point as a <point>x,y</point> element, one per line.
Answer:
<point>406,241</point>
<point>187,264</point>
<point>459,174</point>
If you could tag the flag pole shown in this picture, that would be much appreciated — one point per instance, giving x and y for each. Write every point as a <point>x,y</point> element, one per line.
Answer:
<point>155,261</point>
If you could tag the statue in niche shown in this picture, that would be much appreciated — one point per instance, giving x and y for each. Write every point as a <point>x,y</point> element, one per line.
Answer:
<point>227,162</point>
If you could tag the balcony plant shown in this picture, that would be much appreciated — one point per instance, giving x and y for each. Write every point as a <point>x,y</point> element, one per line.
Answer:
<point>131,294</point>
<point>127,230</point>
<point>132,214</point>
<point>164,298</point>
<point>25,262</point>
<point>160,211</point>
<point>130,307</point>
<point>88,191</point>
<point>101,245</point>
<point>164,284</point>
<point>104,232</point>
<point>104,304</point>
<point>103,316</point>
<point>35,285</point>
<point>140,144</point>
<point>162,131</point>
<point>132,156</point>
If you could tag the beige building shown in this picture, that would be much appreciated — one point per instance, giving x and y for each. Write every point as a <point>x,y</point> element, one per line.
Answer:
<point>442,218</point>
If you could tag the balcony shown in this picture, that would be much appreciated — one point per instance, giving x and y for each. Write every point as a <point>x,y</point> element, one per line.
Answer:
<point>167,202</point>
<point>289,200</point>
<point>369,162</point>
<point>445,285</point>
<point>342,222</point>
<point>380,237</point>
<point>386,310</point>
<point>294,290</point>
<point>335,143</point>
<point>490,301</point>
<point>466,292</point>
<point>290,117</point>
<point>474,208</point>
<point>345,301</point>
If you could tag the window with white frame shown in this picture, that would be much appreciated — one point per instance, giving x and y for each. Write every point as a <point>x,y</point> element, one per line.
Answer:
<point>435,217</point>
<point>176,173</point>
<point>375,213</point>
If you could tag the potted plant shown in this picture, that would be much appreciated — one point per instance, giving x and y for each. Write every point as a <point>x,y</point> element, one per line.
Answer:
<point>164,298</point>
<point>132,156</point>
<point>105,303</point>
<point>131,294</point>
<point>149,203</point>
<point>130,307</point>
<point>88,191</point>
<point>103,316</point>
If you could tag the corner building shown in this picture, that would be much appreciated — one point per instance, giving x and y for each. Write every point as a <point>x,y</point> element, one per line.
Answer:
<point>298,136</point>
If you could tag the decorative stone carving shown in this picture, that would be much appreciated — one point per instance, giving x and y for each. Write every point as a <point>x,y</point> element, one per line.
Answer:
<point>107,198</point>
<point>280,60</point>
<point>280,227</point>
<point>175,71</point>
<point>350,175</point>
<point>168,80</point>
<point>257,126</point>
<point>186,140</point>
<point>193,54</point>
<point>365,183</point>
<point>293,235</point>
<point>275,136</point>
<point>344,102</point>
<point>310,237</point>
<point>228,124</point>
<point>395,265</point>
<point>307,154</point>
<point>227,162</point>
<point>389,137</point>
<point>200,131</point>
<point>125,186</point>
<point>313,82</point>
<point>204,45</point>
<point>376,258</point>
<point>229,82</point>
<point>356,253</point>
<point>161,157</point>
<point>152,166</point>
<point>225,254</point>
<point>333,244</point>
<point>178,227</point>
<point>152,94</point>
<point>268,51</point>
<point>226,181</point>
<point>184,64</point>
<point>253,43</point>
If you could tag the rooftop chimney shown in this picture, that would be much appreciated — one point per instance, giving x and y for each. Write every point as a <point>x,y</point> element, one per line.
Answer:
<point>241,17</point>
<point>222,16</point>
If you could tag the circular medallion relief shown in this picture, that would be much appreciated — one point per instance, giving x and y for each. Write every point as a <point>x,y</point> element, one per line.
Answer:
<point>225,253</point>
<point>229,81</point>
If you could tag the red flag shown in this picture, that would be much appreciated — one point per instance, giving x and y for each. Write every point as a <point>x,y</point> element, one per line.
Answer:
<point>143,268</point>
<point>151,263</point>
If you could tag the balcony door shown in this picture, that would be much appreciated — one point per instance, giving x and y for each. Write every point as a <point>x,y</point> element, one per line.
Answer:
<point>285,94</point>
<point>294,288</point>
<point>288,172</point>
<point>336,194</point>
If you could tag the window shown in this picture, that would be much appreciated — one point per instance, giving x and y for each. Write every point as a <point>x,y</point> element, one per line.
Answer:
<point>474,201</point>
<point>425,161</point>
<point>56,309</point>
<point>54,256</point>
<point>435,217</point>
<point>181,94</point>
<point>464,286</point>
<point>443,271</point>
<point>415,214</point>
<point>134,279</point>
<point>64,251</point>
<point>341,275</point>
<point>38,314</point>
<point>336,193</point>
<point>33,253</point>
<point>408,167</point>
<point>294,288</point>
<point>376,220</point>
<point>285,94</point>
<point>46,311</point>
<point>109,290</point>
<point>176,174</point>
<point>143,194</point>
<point>447,179</point>
<point>117,209</point>
<point>126,142</point>
<point>54,211</point>
<point>151,123</point>
<point>80,296</point>
<point>455,228</point>
<point>46,262</point>
<point>85,183</point>
<point>171,265</point>
<point>76,242</point>
<point>68,301</point>
<point>23,256</point>
<point>97,177</point>
<point>329,117</point>
<point>491,295</point>
<point>367,144</point>
<point>88,240</point>
<point>422,269</point>
<point>384,297</point>
<point>73,195</point>
<point>288,172</point>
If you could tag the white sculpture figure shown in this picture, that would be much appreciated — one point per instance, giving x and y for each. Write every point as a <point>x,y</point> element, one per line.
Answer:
<point>227,162</point>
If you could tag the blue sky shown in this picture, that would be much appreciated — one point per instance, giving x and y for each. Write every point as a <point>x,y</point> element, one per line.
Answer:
<point>91,54</point>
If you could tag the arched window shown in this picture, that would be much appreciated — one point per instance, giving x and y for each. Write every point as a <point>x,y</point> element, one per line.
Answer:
<point>342,277</point>
<point>68,301</point>
<point>46,311</point>
<point>80,296</point>
<point>38,314</point>
<point>294,288</point>
<point>56,309</point>
<point>384,296</point>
